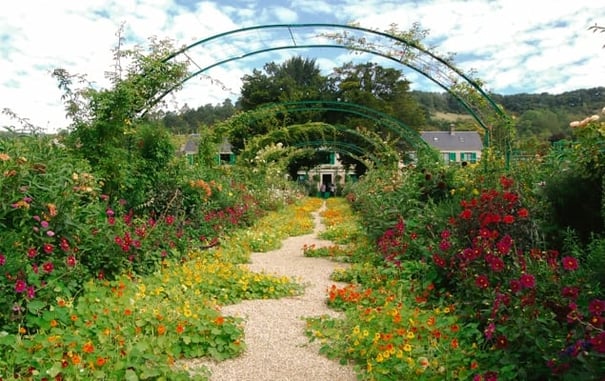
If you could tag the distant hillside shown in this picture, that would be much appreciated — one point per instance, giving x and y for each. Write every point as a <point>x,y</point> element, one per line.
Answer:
<point>538,117</point>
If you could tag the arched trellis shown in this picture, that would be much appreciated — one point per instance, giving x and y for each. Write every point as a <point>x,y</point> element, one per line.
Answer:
<point>394,125</point>
<point>245,42</point>
<point>339,146</point>
<point>277,136</point>
<point>398,128</point>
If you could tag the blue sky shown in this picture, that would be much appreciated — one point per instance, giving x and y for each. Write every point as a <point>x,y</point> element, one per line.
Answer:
<point>514,46</point>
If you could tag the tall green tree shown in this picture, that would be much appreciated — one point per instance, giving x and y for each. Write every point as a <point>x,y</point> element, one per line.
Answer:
<point>296,79</point>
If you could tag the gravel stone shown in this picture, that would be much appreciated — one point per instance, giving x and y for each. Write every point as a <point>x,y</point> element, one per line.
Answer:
<point>277,348</point>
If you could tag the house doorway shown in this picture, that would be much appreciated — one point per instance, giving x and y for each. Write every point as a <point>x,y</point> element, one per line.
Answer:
<point>326,179</point>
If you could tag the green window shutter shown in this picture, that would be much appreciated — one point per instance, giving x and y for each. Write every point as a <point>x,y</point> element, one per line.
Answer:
<point>232,158</point>
<point>190,159</point>
<point>332,158</point>
<point>473,157</point>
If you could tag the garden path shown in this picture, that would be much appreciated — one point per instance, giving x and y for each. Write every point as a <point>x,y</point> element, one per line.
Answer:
<point>277,348</point>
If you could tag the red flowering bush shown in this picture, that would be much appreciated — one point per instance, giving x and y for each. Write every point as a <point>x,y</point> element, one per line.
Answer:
<point>530,304</point>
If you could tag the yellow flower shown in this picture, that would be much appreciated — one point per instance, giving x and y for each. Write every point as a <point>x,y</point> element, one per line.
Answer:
<point>379,358</point>
<point>407,348</point>
<point>410,335</point>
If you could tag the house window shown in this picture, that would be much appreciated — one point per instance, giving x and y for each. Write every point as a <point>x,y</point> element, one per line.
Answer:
<point>470,157</point>
<point>449,157</point>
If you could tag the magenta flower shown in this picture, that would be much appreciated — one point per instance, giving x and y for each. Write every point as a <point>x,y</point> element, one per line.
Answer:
<point>2,259</point>
<point>44,224</point>
<point>20,286</point>
<point>31,292</point>
<point>489,331</point>
<point>48,248</point>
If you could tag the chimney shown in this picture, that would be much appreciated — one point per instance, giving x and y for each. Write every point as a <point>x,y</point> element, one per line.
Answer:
<point>452,130</point>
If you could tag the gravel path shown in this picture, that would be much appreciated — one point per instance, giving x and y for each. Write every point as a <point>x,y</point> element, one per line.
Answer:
<point>277,348</point>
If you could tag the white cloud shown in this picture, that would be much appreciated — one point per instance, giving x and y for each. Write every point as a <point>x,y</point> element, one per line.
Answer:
<point>515,45</point>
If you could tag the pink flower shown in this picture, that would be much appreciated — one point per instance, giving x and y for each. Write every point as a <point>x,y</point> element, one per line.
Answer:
<point>44,224</point>
<point>570,263</point>
<point>48,248</point>
<point>2,259</point>
<point>31,292</point>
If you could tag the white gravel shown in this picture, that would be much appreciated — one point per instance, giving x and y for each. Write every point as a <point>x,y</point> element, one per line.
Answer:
<point>277,348</point>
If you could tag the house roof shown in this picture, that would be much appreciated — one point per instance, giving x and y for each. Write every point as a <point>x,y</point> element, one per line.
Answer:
<point>191,146</point>
<point>453,140</point>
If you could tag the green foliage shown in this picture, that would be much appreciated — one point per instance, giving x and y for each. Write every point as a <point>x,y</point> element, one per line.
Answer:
<point>105,121</point>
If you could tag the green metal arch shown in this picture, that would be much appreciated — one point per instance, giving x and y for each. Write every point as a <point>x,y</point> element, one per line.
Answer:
<point>342,147</point>
<point>377,145</point>
<point>395,48</point>
<point>392,124</point>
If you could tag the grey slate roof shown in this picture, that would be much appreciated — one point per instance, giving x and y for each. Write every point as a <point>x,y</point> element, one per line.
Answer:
<point>453,141</point>
<point>191,147</point>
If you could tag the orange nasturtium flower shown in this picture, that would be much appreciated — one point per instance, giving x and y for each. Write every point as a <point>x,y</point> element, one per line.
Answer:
<point>161,329</point>
<point>180,329</point>
<point>219,320</point>
<point>53,323</point>
<point>75,359</point>
<point>101,361</point>
<point>88,347</point>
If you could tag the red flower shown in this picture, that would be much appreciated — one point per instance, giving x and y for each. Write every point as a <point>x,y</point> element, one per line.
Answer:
<point>482,282</point>
<point>523,213</point>
<point>506,182</point>
<point>48,248</point>
<point>71,261</point>
<point>515,286</point>
<point>528,281</point>
<point>438,260</point>
<point>570,263</point>
<point>32,252</point>
<point>508,219</point>
<point>598,342</point>
<point>495,263</point>
<point>466,214</point>
<point>570,292</point>
<point>501,342</point>
<point>48,267</point>
<point>596,307</point>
